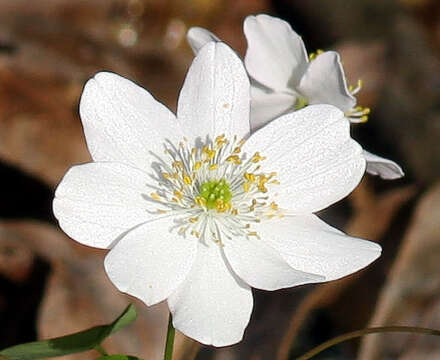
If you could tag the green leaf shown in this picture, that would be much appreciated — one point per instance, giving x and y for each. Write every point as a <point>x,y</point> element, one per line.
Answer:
<point>69,344</point>
<point>118,357</point>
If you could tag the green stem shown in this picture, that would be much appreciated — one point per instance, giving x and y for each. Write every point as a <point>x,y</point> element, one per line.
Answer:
<point>363,332</point>
<point>170,340</point>
<point>101,350</point>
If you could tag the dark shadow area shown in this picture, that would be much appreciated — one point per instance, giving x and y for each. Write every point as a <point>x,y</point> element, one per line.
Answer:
<point>24,196</point>
<point>20,303</point>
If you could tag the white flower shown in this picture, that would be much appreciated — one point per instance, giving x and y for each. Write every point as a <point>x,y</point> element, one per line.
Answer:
<point>284,78</point>
<point>195,211</point>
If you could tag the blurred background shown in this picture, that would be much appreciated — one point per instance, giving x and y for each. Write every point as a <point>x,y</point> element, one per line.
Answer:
<point>50,285</point>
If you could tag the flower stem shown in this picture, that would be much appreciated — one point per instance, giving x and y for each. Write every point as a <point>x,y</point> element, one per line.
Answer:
<point>170,340</point>
<point>359,333</point>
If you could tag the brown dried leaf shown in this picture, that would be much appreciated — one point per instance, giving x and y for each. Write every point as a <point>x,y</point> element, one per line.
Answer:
<point>411,295</point>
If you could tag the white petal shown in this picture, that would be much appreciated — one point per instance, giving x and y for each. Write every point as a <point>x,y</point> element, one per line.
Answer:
<point>316,161</point>
<point>276,55</point>
<point>262,267</point>
<point>309,244</point>
<point>215,96</point>
<point>324,82</point>
<point>198,37</point>
<point>123,122</point>
<point>385,168</point>
<point>150,262</point>
<point>96,203</point>
<point>266,106</point>
<point>213,305</point>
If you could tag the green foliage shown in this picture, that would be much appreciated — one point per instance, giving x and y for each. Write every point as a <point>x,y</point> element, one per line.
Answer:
<point>70,344</point>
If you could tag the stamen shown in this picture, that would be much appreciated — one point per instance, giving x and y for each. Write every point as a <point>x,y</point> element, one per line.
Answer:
<point>187,180</point>
<point>314,55</point>
<point>197,165</point>
<point>257,157</point>
<point>155,196</point>
<point>213,192</point>
<point>354,90</point>
<point>358,114</point>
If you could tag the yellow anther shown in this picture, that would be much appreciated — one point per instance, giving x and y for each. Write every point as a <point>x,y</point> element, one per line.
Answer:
<point>253,233</point>
<point>195,233</point>
<point>197,165</point>
<point>221,140</point>
<point>254,203</point>
<point>366,111</point>
<point>178,164</point>
<point>193,220</point>
<point>187,180</point>
<point>166,175</point>
<point>178,194</point>
<point>237,150</point>
<point>262,188</point>
<point>249,177</point>
<point>213,167</point>
<point>363,119</point>
<point>155,196</point>
<point>262,179</point>
<point>160,211</point>
<point>222,206</point>
<point>208,152</point>
<point>313,55</point>
<point>233,159</point>
<point>200,201</point>
<point>182,230</point>
<point>360,83</point>
<point>175,175</point>
<point>246,187</point>
<point>274,206</point>
<point>274,181</point>
<point>234,212</point>
<point>257,157</point>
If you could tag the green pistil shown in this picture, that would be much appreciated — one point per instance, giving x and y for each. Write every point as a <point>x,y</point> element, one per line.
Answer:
<point>300,103</point>
<point>215,192</point>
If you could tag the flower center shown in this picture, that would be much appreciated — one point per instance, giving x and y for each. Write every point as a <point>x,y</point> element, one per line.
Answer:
<point>301,102</point>
<point>216,194</point>
<point>214,191</point>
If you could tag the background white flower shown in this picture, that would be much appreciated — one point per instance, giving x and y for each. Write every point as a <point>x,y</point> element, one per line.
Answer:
<point>196,216</point>
<point>285,79</point>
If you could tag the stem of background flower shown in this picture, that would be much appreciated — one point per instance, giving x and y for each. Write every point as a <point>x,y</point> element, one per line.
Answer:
<point>168,355</point>
<point>359,333</point>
